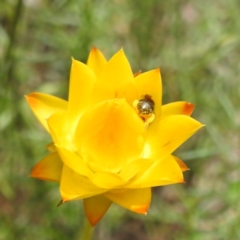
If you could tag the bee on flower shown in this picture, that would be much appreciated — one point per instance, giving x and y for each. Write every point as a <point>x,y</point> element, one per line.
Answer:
<point>112,140</point>
<point>145,109</point>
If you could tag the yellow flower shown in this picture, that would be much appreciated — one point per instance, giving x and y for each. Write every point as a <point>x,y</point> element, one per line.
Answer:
<point>112,140</point>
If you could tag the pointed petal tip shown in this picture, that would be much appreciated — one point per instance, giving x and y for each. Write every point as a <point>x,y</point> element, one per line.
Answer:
<point>35,175</point>
<point>95,208</point>
<point>201,125</point>
<point>188,108</point>
<point>198,124</point>
<point>181,180</point>
<point>94,49</point>
<point>73,60</point>
<point>140,209</point>
<point>181,164</point>
<point>121,51</point>
<point>35,172</point>
<point>31,98</point>
<point>93,221</point>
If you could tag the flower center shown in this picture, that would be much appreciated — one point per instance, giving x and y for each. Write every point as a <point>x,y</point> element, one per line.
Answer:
<point>145,109</point>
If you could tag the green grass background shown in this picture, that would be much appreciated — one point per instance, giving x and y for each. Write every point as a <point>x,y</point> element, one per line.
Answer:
<point>197,46</point>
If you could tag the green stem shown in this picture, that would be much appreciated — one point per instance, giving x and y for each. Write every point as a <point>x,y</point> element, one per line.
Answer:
<point>87,231</point>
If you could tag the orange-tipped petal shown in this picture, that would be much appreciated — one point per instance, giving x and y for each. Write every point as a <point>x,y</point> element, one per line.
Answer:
<point>74,186</point>
<point>82,79</point>
<point>181,164</point>
<point>136,200</point>
<point>162,172</point>
<point>166,134</point>
<point>150,83</point>
<point>49,168</point>
<point>95,208</point>
<point>96,61</point>
<point>110,135</point>
<point>44,105</point>
<point>184,108</point>
<point>115,81</point>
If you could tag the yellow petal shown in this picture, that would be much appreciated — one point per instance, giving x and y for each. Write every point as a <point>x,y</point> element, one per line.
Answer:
<point>44,105</point>
<point>181,164</point>
<point>75,162</point>
<point>136,200</point>
<point>115,80</point>
<point>107,180</point>
<point>185,108</point>
<point>150,83</point>
<point>82,79</point>
<point>166,134</point>
<point>49,168</point>
<point>96,61</point>
<point>95,208</point>
<point>62,130</point>
<point>110,135</point>
<point>162,172</point>
<point>74,186</point>
<point>134,168</point>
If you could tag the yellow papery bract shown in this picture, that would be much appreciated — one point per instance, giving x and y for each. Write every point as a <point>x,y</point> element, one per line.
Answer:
<point>61,129</point>
<point>185,108</point>
<point>82,80</point>
<point>74,186</point>
<point>95,207</point>
<point>136,200</point>
<point>44,105</point>
<point>162,172</point>
<point>135,167</point>
<point>166,134</point>
<point>96,61</point>
<point>107,180</point>
<point>113,140</point>
<point>49,168</point>
<point>73,161</point>
<point>181,164</point>
<point>115,78</point>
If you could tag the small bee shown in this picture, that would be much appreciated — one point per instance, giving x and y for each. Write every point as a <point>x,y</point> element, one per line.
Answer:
<point>145,109</point>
